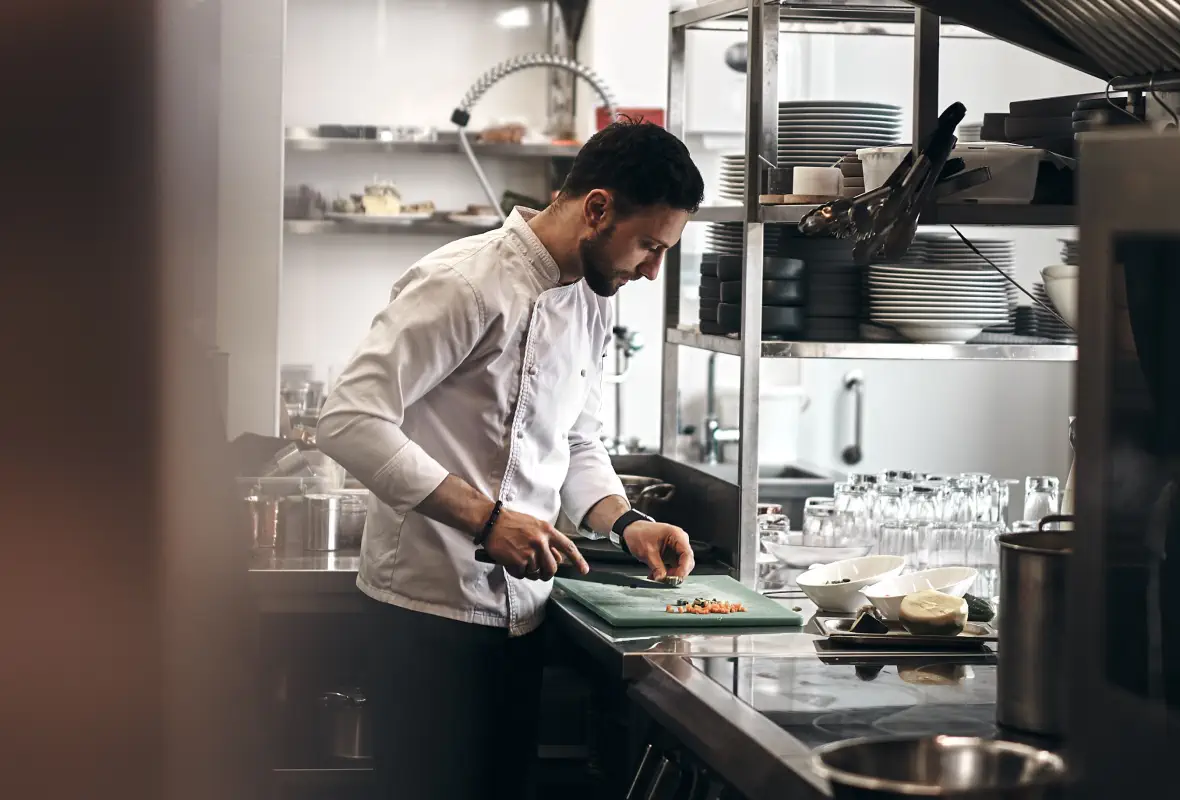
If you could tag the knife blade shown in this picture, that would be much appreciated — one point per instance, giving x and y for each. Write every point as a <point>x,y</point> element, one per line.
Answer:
<point>570,572</point>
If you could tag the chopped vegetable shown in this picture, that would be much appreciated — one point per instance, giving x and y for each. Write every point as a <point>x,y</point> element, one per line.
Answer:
<point>703,605</point>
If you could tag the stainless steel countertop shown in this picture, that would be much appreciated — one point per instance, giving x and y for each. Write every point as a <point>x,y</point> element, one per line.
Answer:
<point>326,582</point>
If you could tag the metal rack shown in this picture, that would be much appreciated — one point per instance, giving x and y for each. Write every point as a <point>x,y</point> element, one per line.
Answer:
<point>763,21</point>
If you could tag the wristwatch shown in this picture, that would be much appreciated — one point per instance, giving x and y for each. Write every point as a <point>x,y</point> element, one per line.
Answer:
<point>616,531</point>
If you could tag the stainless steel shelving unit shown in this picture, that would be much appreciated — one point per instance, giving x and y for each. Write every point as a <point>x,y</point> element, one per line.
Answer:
<point>764,20</point>
<point>423,227</point>
<point>446,143</point>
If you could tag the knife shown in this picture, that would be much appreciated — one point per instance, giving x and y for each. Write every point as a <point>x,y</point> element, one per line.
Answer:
<point>571,573</point>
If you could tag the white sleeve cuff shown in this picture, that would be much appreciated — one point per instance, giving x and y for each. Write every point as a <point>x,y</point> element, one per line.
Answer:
<point>585,492</point>
<point>408,478</point>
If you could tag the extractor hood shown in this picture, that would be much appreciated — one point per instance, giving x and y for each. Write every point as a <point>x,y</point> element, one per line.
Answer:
<point>1127,39</point>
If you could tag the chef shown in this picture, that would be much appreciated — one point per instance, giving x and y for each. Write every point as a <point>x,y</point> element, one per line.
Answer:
<point>471,410</point>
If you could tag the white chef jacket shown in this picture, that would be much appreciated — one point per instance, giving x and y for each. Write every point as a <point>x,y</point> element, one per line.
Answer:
<point>482,366</point>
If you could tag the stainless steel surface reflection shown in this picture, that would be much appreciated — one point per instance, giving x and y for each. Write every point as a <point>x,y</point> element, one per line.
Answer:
<point>939,766</point>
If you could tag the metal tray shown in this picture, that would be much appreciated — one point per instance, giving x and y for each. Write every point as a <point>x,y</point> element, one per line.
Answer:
<point>973,637</point>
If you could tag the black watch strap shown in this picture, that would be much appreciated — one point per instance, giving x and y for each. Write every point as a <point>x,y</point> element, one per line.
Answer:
<point>616,531</point>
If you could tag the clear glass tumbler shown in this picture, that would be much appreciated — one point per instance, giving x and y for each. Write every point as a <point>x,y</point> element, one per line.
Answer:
<point>924,504</point>
<point>907,539</point>
<point>981,551</point>
<point>1041,497</point>
<point>946,544</point>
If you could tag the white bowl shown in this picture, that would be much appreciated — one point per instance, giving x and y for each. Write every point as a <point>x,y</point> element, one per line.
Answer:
<point>847,597</point>
<point>1060,271</point>
<point>1063,292</point>
<point>887,595</point>
<point>943,333</point>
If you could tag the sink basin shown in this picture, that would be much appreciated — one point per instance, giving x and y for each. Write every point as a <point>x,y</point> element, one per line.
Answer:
<point>788,485</point>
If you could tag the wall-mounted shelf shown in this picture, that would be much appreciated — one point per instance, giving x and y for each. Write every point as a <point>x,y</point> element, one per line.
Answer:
<point>445,144</point>
<point>881,351</point>
<point>425,227</point>
<point>943,214</point>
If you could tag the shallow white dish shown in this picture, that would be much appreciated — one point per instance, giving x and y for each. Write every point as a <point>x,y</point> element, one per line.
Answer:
<point>952,333</point>
<point>847,597</point>
<point>801,556</point>
<point>887,595</point>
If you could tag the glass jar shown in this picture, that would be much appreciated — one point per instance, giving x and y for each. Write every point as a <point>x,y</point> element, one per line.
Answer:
<point>1041,497</point>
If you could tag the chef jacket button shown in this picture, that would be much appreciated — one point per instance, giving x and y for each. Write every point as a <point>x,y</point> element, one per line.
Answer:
<point>583,373</point>
<point>532,370</point>
<point>520,434</point>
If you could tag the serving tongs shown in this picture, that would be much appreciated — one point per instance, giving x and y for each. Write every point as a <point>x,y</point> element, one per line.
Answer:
<point>883,221</point>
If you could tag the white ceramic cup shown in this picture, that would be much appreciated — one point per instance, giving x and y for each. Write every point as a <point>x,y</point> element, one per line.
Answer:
<point>818,181</point>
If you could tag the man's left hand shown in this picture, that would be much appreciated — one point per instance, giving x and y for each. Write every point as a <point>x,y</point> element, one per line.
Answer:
<point>651,541</point>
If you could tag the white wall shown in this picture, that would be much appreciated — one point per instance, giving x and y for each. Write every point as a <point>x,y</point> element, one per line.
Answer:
<point>250,209</point>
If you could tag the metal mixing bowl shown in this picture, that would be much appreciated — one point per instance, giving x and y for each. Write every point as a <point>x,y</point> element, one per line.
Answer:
<point>939,766</point>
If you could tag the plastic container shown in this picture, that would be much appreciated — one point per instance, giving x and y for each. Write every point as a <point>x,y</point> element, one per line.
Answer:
<point>1013,167</point>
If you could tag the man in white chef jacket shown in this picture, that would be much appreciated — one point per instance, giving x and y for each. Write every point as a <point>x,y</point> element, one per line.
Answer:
<point>471,410</point>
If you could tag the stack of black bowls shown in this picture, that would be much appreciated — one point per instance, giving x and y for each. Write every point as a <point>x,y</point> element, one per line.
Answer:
<point>710,293</point>
<point>811,291</point>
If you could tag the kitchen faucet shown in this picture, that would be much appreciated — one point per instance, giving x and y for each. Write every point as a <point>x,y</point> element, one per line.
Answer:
<point>713,436</point>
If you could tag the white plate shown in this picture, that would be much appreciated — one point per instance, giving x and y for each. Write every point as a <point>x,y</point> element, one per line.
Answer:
<point>928,273</point>
<point>949,296</point>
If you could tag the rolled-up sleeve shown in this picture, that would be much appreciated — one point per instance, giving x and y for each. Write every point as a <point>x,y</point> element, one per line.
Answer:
<point>591,476</point>
<point>428,329</point>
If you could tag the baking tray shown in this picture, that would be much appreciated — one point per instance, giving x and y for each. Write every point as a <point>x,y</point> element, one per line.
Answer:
<point>973,637</point>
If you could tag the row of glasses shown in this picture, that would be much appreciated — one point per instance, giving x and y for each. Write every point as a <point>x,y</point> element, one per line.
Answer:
<point>926,545</point>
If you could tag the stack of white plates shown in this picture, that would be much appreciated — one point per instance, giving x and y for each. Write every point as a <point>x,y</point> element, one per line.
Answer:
<point>1045,323</point>
<point>969,131</point>
<point>818,133</point>
<point>950,252</point>
<point>927,303</point>
<point>726,238</point>
<point>1069,252</point>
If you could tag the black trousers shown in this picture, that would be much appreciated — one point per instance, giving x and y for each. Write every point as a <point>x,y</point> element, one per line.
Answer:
<point>455,705</point>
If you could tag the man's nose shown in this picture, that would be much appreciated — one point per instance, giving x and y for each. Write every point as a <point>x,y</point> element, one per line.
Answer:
<point>650,269</point>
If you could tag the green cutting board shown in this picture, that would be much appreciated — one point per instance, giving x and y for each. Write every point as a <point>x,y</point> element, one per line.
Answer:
<point>625,607</point>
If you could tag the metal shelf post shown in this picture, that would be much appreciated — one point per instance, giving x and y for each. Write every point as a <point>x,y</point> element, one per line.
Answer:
<point>762,37</point>
<point>670,375</point>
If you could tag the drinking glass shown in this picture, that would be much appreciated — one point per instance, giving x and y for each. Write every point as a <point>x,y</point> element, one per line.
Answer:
<point>923,504</point>
<point>958,501</point>
<point>981,551</point>
<point>892,504</point>
<point>1041,497</point>
<point>906,539</point>
<point>946,544</point>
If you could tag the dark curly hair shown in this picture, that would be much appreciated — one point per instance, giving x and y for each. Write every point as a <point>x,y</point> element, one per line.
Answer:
<point>641,164</point>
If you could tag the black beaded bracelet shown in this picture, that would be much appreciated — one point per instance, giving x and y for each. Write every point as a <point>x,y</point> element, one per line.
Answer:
<point>483,535</point>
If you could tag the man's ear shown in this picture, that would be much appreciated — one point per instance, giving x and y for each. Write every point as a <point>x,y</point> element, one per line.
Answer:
<point>596,207</point>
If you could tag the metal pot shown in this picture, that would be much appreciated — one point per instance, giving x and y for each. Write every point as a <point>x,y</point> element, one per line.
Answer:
<point>646,494</point>
<point>322,533</point>
<point>354,510</point>
<point>939,766</point>
<point>1032,663</point>
<point>348,731</point>
<point>263,513</point>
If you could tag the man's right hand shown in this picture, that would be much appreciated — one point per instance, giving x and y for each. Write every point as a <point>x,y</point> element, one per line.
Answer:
<point>530,548</point>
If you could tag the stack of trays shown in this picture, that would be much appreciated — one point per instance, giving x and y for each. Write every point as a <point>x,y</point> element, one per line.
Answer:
<point>926,303</point>
<point>818,133</point>
<point>1045,324</point>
